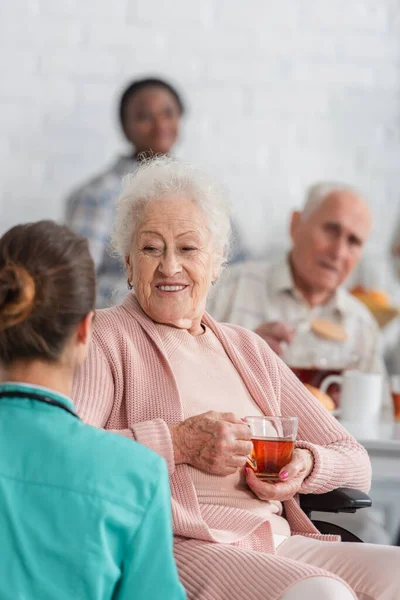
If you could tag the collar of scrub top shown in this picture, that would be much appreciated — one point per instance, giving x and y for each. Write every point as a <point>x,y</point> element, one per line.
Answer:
<point>35,392</point>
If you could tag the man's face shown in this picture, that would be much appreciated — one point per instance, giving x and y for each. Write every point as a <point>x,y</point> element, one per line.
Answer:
<point>328,243</point>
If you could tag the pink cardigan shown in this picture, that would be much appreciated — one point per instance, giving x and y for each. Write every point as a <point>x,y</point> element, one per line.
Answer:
<point>126,385</point>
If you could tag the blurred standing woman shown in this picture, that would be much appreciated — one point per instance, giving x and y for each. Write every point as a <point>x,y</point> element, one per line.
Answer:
<point>150,112</point>
<point>82,512</point>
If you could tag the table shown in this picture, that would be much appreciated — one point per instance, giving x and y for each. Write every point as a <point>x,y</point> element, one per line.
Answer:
<point>382,442</point>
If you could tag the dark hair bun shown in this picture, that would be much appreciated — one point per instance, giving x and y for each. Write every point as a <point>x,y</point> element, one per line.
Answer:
<point>17,295</point>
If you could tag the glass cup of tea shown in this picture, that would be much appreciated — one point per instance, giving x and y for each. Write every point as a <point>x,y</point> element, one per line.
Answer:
<point>395,389</point>
<point>273,441</point>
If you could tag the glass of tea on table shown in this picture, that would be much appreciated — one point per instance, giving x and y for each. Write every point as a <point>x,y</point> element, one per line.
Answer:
<point>395,389</point>
<point>273,441</point>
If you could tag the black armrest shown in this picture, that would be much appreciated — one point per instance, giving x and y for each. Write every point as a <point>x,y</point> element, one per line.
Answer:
<point>340,500</point>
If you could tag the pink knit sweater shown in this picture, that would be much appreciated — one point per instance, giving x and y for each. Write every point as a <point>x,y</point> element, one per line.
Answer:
<point>201,387</point>
<point>127,385</point>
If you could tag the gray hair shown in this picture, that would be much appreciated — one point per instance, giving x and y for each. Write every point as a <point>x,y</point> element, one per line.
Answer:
<point>162,177</point>
<point>317,193</point>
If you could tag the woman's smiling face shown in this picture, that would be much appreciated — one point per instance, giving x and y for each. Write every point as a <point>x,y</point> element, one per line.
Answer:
<point>172,263</point>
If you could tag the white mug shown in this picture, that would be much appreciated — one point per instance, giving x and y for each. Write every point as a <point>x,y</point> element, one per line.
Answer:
<point>360,395</point>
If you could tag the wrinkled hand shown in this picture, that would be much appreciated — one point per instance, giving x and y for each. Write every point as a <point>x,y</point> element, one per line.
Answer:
<point>274,333</point>
<point>292,476</point>
<point>217,443</point>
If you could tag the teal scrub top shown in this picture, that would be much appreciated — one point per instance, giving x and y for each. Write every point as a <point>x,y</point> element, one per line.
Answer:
<point>84,514</point>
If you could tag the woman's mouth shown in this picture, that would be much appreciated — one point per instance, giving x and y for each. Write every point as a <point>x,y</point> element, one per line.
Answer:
<point>171,288</point>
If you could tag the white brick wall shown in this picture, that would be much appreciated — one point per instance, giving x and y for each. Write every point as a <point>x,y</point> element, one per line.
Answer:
<point>280,94</point>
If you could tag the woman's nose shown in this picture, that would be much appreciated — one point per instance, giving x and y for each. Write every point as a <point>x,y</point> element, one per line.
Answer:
<point>170,264</point>
<point>160,123</point>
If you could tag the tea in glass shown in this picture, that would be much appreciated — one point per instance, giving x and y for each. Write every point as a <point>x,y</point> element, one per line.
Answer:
<point>273,444</point>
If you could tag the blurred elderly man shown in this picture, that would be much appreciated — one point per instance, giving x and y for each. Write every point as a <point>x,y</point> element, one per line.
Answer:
<point>280,301</point>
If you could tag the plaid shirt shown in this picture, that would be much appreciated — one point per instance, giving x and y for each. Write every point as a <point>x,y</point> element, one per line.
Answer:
<point>90,212</point>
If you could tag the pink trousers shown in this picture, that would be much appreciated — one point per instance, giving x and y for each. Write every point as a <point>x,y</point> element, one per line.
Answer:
<point>221,571</point>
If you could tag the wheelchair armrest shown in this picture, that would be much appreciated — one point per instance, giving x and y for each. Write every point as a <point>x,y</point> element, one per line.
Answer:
<point>340,500</point>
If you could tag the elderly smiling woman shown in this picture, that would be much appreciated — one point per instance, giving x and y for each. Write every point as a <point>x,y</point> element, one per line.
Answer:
<point>161,371</point>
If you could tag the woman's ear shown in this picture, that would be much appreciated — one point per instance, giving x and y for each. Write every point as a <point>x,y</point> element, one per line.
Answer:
<point>216,265</point>
<point>84,330</point>
<point>128,265</point>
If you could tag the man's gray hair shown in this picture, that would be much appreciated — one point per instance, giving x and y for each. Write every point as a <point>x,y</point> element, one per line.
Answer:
<point>163,177</point>
<point>317,193</point>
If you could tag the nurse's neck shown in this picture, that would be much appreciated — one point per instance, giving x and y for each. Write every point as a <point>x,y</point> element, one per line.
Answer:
<point>54,376</point>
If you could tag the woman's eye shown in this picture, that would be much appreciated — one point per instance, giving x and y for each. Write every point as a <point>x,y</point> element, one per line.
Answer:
<point>143,117</point>
<point>170,113</point>
<point>151,249</point>
<point>189,248</point>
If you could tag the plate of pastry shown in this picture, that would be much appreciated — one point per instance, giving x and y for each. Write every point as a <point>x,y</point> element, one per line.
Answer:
<point>379,304</point>
<point>325,400</point>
